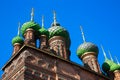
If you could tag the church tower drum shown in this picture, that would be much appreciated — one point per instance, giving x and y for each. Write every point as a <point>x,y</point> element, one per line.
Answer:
<point>17,42</point>
<point>59,40</point>
<point>88,53</point>
<point>43,36</point>
<point>29,31</point>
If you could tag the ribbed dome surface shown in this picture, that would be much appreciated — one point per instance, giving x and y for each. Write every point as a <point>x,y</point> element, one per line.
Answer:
<point>43,31</point>
<point>31,24</point>
<point>87,47</point>
<point>56,30</point>
<point>109,65</point>
<point>106,65</point>
<point>17,39</point>
<point>115,67</point>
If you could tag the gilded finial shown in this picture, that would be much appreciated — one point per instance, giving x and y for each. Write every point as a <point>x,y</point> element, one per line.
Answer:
<point>104,52</point>
<point>32,14</point>
<point>117,60</point>
<point>110,55</point>
<point>83,36</point>
<point>19,29</point>
<point>54,17</point>
<point>42,21</point>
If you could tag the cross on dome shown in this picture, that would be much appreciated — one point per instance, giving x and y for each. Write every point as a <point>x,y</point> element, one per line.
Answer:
<point>32,14</point>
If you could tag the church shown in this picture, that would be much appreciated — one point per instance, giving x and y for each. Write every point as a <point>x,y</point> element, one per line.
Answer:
<point>44,54</point>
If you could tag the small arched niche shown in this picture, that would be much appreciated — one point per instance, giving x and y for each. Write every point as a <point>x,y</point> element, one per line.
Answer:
<point>31,59</point>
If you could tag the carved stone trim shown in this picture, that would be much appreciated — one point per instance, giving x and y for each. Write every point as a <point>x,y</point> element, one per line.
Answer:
<point>87,54</point>
<point>17,44</point>
<point>56,37</point>
<point>117,71</point>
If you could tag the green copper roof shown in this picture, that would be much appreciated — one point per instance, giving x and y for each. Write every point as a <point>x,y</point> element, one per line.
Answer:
<point>106,65</point>
<point>17,39</point>
<point>87,47</point>
<point>114,67</point>
<point>43,31</point>
<point>57,30</point>
<point>30,24</point>
<point>109,65</point>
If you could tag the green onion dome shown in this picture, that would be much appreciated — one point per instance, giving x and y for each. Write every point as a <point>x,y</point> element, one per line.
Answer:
<point>87,47</point>
<point>17,39</point>
<point>31,24</point>
<point>114,67</point>
<point>109,65</point>
<point>57,30</point>
<point>43,31</point>
<point>106,65</point>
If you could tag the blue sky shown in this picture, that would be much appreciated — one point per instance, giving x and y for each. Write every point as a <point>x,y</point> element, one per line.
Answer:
<point>100,20</point>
